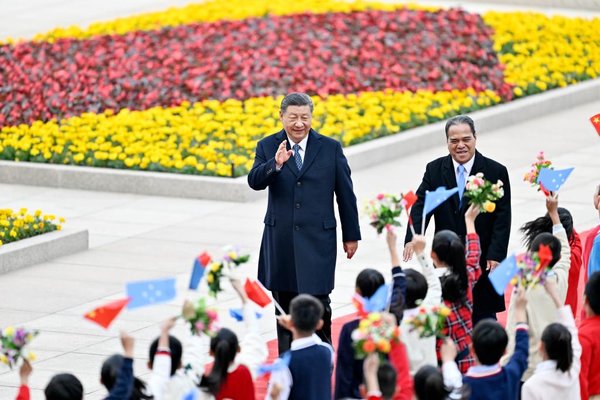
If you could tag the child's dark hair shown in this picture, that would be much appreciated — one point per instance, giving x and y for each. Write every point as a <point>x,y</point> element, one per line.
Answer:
<point>451,251</point>
<point>176,351</point>
<point>224,347</point>
<point>64,387</point>
<point>489,341</point>
<point>592,292</point>
<point>429,384</point>
<point>368,281</point>
<point>386,377</point>
<point>557,343</point>
<point>306,312</point>
<point>544,224</point>
<point>109,373</point>
<point>549,240</point>
<point>416,287</point>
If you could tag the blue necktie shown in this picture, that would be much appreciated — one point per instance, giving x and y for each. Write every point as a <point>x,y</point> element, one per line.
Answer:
<point>297,156</point>
<point>460,181</point>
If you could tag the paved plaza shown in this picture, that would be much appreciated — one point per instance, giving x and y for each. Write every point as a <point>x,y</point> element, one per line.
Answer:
<point>135,237</point>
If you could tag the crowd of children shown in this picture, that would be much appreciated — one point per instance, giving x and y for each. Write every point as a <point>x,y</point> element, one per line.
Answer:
<point>540,354</point>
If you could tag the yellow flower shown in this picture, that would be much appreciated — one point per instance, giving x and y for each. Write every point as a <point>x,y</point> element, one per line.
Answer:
<point>8,331</point>
<point>31,356</point>
<point>215,266</point>
<point>210,278</point>
<point>373,317</point>
<point>489,206</point>
<point>3,359</point>
<point>445,311</point>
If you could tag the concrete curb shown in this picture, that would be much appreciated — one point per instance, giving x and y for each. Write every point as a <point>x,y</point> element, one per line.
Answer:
<point>359,156</point>
<point>42,248</point>
<point>593,5</point>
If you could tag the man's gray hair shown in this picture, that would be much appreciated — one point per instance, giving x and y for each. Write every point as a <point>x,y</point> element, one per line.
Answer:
<point>459,120</point>
<point>296,99</point>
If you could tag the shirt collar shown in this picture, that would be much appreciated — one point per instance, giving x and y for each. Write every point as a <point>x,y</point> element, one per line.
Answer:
<point>303,343</point>
<point>468,165</point>
<point>302,143</point>
<point>481,371</point>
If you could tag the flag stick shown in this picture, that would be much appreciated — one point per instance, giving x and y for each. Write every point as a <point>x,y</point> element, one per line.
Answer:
<point>412,229</point>
<point>423,222</point>
<point>278,307</point>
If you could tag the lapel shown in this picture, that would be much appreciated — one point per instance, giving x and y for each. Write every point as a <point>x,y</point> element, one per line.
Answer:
<point>450,179</point>
<point>313,146</point>
<point>281,136</point>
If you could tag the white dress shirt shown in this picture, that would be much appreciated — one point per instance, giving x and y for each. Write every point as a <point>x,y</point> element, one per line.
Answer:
<point>468,167</point>
<point>302,145</point>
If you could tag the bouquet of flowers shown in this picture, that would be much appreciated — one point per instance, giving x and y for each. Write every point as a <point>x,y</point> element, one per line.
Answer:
<point>12,345</point>
<point>201,318</point>
<point>430,321</point>
<point>536,167</point>
<point>215,270</point>
<point>533,268</point>
<point>375,333</point>
<point>384,211</point>
<point>483,193</point>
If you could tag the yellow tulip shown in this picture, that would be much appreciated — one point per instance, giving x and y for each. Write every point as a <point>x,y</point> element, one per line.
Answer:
<point>489,206</point>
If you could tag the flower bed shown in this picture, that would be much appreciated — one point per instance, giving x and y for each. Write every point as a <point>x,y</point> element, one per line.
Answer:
<point>195,98</point>
<point>21,225</point>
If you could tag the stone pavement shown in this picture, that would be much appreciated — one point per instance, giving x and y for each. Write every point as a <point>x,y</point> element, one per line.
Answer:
<point>142,237</point>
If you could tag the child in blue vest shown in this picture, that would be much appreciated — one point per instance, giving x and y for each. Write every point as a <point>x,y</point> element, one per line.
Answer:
<point>488,380</point>
<point>308,375</point>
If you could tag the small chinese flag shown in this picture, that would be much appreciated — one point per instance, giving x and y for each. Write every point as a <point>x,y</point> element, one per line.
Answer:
<point>409,199</point>
<point>596,122</point>
<point>104,315</point>
<point>256,292</point>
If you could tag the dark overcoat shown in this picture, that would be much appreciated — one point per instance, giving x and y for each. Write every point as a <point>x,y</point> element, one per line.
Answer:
<point>298,249</point>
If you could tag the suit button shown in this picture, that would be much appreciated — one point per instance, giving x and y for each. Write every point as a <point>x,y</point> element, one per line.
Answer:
<point>297,227</point>
<point>298,183</point>
<point>297,205</point>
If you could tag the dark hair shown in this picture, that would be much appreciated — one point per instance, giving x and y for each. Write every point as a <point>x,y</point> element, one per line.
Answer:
<point>108,376</point>
<point>592,292</point>
<point>64,387</point>
<point>429,384</point>
<point>175,349</point>
<point>459,120</point>
<point>549,240</point>
<point>296,99</point>
<point>557,343</point>
<point>368,281</point>
<point>544,224</point>
<point>489,341</point>
<point>386,377</point>
<point>224,345</point>
<point>416,287</point>
<point>306,312</point>
<point>451,251</point>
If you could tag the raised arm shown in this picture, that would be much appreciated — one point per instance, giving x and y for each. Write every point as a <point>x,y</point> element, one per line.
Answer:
<point>416,214</point>
<point>265,169</point>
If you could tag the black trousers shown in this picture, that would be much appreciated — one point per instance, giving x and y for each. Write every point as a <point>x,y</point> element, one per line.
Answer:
<point>284,337</point>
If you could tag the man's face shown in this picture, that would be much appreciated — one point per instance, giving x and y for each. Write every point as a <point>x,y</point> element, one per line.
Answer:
<point>461,143</point>
<point>296,121</point>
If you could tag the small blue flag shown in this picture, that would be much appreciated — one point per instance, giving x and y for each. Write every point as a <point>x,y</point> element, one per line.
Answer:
<point>238,314</point>
<point>379,300</point>
<point>503,273</point>
<point>191,395</point>
<point>278,365</point>
<point>435,198</point>
<point>552,180</point>
<point>200,264</point>
<point>146,293</point>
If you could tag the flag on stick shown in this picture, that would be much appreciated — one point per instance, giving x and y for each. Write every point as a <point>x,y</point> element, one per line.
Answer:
<point>200,264</point>
<point>552,179</point>
<point>595,120</point>
<point>146,293</point>
<point>434,199</point>
<point>104,315</point>
<point>503,273</point>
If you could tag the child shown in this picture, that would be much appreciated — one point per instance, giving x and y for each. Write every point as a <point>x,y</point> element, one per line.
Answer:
<point>308,375</point>
<point>349,371</point>
<point>541,310</point>
<point>592,244</point>
<point>589,336</point>
<point>487,379</point>
<point>420,290</point>
<point>64,387</point>
<point>533,228</point>
<point>458,276</point>
<point>112,370</point>
<point>433,384</point>
<point>557,377</point>
<point>380,379</point>
<point>235,364</point>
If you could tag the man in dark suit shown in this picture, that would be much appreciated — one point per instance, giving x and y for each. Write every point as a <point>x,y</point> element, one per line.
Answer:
<point>493,228</point>
<point>303,170</point>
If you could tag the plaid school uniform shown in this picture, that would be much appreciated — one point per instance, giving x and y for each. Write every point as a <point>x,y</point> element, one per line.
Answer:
<point>459,324</point>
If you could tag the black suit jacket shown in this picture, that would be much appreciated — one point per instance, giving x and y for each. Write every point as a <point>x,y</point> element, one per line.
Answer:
<point>298,249</point>
<point>493,228</point>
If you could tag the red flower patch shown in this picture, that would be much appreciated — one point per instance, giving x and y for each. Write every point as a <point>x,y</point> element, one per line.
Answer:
<point>316,53</point>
